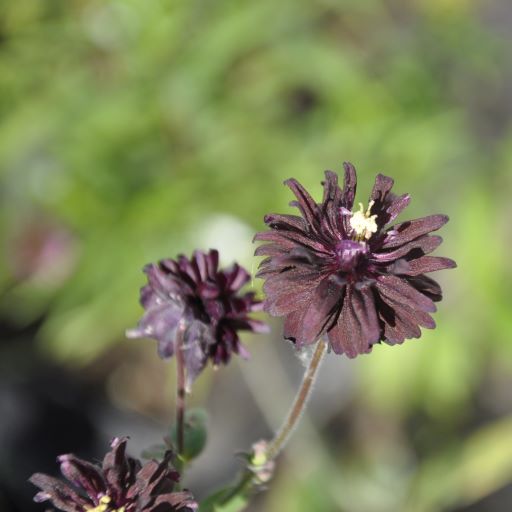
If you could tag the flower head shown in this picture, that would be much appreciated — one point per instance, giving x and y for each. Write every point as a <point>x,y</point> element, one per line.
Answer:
<point>349,274</point>
<point>194,299</point>
<point>121,484</point>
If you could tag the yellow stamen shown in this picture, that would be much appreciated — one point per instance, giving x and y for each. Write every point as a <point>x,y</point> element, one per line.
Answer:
<point>363,224</point>
<point>103,506</point>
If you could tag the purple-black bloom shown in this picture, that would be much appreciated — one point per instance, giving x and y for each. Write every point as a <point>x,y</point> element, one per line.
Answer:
<point>348,273</point>
<point>120,484</point>
<point>196,300</point>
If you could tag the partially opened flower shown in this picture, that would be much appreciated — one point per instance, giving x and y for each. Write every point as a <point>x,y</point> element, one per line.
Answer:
<point>196,300</point>
<point>348,273</point>
<point>121,484</point>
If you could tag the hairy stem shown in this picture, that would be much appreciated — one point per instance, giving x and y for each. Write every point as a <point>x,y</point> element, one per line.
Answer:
<point>180,392</point>
<point>284,433</point>
<point>249,478</point>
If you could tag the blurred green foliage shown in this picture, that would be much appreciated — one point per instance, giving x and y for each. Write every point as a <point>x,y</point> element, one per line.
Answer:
<point>134,129</point>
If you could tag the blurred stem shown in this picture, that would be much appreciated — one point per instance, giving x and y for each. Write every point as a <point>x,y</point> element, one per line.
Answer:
<point>284,433</point>
<point>181,391</point>
<point>244,484</point>
<point>260,462</point>
<point>250,475</point>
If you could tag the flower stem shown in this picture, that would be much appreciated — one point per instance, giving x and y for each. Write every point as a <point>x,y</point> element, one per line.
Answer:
<point>239,488</point>
<point>284,433</point>
<point>257,464</point>
<point>181,391</point>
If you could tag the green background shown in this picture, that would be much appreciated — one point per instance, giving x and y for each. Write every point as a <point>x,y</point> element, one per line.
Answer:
<point>131,130</point>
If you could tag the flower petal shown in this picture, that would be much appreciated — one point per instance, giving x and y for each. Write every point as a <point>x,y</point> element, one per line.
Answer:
<point>349,186</point>
<point>399,290</point>
<point>427,286</point>
<point>83,474</point>
<point>173,502</point>
<point>324,306</point>
<point>59,494</point>
<point>352,334</point>
<point>396,205</point>
<point>406,231</point>
<point>380,197</point>
<point>236,277</point>
<point>116,468</point>
<point>305,202</point>
<point>427,264</point>
<point>416,248</point>
<point>285,222</point>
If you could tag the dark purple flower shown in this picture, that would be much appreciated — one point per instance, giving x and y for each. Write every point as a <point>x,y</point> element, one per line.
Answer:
<point>348,273</point>
<point>194,296</point>
<point>121,484</point>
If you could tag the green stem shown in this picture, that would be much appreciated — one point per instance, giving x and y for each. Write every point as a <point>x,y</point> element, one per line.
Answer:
<point>240,488</point>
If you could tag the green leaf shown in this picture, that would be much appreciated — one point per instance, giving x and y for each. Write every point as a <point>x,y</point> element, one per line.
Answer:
<point>195,433</point>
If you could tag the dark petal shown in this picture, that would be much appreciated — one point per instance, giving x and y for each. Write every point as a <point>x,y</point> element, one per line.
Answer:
<point>319,315</point>
<point>174,501</point>
<point>396,205</point>
<point>199,261</point>
<point>188,273</point>
<point>169,266</point>
<point>208,290</point>
<point>427,264</point>
<point>116,469</point>
<point>289,291</point>
<point>249,324</point>
<point>83,474</point>
<point>159,323</point>
<point>420,246</point>
<point>148,298</point>
<point>59,494</point>
<point>427,286</point>
<point>287,301</point>
<point>293,325</point>
<point>197,339</point>
<point>154,477</point>
<point>236,278</point>
<point>331,220</point>
<point>406,231</point>
<point>212,261</point>
<point>405,323</point>
<point>381,188</point>
<point>349,186</point>
<point>285,222</point>
<point>399,290</point>
<point>297,257</point>
<point>305,202</point>
<point>162,284</point>
<point>288,240</point>
<point>389,323</point>
<point>408,324</point>
<point>332,191</point>
<point>380,197</point>
<point>367,314</point>
<point>269,250</point>
<point>354,332</point>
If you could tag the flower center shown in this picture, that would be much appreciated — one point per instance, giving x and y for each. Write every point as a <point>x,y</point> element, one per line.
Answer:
<point>104,506</point>
<point>348,254</point>
<point>362,223</point>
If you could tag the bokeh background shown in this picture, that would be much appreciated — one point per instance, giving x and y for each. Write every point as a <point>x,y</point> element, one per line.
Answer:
<point>131,130</point>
